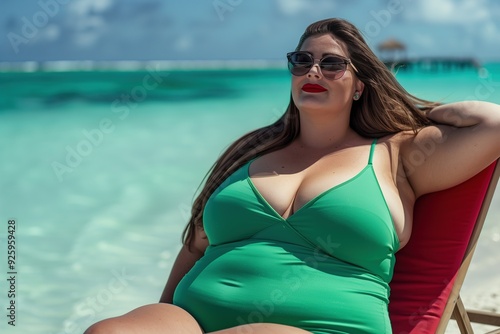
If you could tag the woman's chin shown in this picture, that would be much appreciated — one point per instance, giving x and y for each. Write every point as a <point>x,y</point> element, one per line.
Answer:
<point>313,104</point>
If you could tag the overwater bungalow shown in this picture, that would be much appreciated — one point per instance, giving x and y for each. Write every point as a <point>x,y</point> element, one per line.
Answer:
<point>393,54</point>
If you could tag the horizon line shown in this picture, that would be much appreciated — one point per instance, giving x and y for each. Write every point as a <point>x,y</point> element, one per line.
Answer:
<point>127,65</point>
<point>134,65</point>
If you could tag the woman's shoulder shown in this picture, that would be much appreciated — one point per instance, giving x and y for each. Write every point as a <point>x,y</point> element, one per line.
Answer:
<point>405,145</point>
<point>406,138</point>
<point>398,139</point>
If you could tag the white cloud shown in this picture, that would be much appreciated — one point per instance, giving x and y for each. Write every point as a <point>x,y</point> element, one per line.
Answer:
<point>84,7</point>
<point>491,32</point>
<point>86,22</point>
<point>51,32</point>
<point>183,43</point>
<point>424,41</point>
<point>471,21</point>
<point>449,11</point>
<point>85,39</point>
<point>295,7</point>
<point>292,7</point>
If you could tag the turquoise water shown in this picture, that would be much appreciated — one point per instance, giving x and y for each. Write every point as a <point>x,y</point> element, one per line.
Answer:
<point>99,170</point>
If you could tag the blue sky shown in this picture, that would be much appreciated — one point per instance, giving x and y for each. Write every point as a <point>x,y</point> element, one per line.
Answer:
<point>42,30</point>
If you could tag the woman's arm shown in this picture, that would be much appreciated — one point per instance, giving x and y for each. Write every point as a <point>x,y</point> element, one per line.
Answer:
<point>464,141</point>
<point>464,114</point>
<point>185,260</point>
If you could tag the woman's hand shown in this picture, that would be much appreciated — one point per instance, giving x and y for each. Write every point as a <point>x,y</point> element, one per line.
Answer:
<point>465,139</point>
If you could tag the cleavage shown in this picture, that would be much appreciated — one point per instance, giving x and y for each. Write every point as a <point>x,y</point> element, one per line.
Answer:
<point>292,189</point>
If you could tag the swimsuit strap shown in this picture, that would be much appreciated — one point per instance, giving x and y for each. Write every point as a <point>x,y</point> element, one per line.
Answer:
<point>372,150</point>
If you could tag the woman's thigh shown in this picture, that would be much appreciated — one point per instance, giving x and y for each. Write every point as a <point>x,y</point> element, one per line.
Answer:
<point>262,328</point>
<point>166,318</point>
<point>151,319</point>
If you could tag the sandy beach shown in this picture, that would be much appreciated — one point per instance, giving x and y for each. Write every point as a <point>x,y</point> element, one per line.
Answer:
<point>485,297</point>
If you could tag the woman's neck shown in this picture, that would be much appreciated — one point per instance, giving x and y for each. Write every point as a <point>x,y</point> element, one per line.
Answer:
<point>326,132</point>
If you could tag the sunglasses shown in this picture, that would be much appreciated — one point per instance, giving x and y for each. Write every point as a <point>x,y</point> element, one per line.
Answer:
<point>332,67</point>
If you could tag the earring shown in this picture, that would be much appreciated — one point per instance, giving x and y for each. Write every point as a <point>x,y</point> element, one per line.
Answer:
<point>356,96</point>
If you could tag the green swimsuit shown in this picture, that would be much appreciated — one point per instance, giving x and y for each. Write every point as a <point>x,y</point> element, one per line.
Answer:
<point>324,269</point>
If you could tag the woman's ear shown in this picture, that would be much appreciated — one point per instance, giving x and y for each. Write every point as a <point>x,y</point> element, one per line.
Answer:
<point>360,86</point>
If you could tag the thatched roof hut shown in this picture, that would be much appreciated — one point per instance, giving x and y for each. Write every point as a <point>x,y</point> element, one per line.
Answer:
<point>392,50</point>
<point>391,45</point>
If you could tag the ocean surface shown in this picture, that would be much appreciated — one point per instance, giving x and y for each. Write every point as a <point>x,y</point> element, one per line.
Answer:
<point>99,169</point>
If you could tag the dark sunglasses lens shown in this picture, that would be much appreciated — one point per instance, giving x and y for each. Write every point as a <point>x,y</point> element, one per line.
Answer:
<point>333,64</point>
<point>299,63</point>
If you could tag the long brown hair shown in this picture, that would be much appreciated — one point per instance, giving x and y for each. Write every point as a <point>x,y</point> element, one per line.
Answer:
<point>385,108</point>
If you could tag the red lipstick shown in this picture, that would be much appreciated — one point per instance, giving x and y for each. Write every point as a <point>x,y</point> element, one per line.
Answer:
<point>313,88</point>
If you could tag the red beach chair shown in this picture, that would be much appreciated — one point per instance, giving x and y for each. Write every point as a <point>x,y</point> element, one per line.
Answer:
<point>431,268</point>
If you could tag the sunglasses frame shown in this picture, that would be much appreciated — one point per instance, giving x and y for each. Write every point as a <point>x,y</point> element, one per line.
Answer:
<point>326,74</point>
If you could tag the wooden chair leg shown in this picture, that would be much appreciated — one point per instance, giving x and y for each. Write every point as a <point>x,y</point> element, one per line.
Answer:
<point>464,318</point>
<point>460,315</point>
<point>495,331</point>
<point>484,317</point>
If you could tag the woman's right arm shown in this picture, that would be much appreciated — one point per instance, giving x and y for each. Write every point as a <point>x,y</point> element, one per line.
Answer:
<point>183,263</point>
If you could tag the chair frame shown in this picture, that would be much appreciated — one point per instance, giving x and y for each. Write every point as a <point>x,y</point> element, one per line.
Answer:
<point>454,307</point>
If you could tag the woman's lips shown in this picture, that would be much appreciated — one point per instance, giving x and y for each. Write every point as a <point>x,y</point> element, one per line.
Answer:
<point>313,88</point>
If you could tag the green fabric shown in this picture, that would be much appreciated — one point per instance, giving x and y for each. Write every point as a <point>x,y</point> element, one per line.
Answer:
<point>324,269</point>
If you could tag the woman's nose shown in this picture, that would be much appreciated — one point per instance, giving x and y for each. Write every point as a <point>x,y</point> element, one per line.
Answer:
<point>314,71</point>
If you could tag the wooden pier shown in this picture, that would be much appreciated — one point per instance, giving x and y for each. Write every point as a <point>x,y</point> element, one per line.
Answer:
<point>433,64</point>
<point>393,54</point>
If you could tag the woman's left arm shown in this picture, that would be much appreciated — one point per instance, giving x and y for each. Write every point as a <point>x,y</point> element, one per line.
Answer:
<point>465,139</point>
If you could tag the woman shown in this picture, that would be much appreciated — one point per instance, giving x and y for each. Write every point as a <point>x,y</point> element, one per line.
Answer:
<point>304,217</point>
